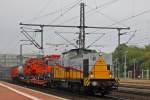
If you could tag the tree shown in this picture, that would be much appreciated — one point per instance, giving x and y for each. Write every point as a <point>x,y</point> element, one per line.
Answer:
<point>140,55</point>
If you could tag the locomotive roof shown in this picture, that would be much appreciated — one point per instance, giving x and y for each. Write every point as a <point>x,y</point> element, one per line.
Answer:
<point>77,50</point>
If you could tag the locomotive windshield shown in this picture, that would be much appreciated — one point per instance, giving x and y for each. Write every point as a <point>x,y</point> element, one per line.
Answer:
<point>53,61</point>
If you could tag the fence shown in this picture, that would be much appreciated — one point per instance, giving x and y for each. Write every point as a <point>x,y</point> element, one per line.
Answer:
<point>144,74</point>
<point>9,60</point>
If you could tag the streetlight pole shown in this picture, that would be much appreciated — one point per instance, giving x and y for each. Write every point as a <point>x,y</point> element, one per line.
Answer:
<point>21,56</point>
<point>42,40</point>
<point>119,35</point>
<point>125,65</point>
<point>116,68</point>
<point>134,60</point>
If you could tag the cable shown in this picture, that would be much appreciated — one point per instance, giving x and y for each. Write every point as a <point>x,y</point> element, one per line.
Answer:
<point>30,39</point>
<point>98,7</point>
<point>103,6</point>
<point>108,17</point>
<point>67,32</point>
<point>138,43</point>
<point>133,35</point>
<point>51,13</point>
<point>66,39</point>
<point>30,28</point>
<point>96,3</point>
<point>69,9</point>
<point>131,17</point>
<point>69,20</point>
<point>96,40</point>
<point>143,39</point>
<point>34,35</point>
<point>45,6</point>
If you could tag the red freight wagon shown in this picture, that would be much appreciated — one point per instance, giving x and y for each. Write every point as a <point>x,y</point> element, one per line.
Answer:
<point>14,71</point>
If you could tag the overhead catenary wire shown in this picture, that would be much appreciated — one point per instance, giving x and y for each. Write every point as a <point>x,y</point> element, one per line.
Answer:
<point>79,33</point>
<point>106,16</point>
<point>89,27</point>
<point>91,10</point>
<point>96,40</point>
<point>124,17</point>
<point>138,43</point>
<point>132,36</point>
<point>66,39</point>
<point>51,13</point>
<point>102,6</point>
<point>29,28</point>
<point>25,33</point>
<point>131,17</point>
<point>45,6</point>
<point>118,22</point>
<point>95,3</point>
<point>57,44</point>
<point>143,39</point>
<point>32,30</point>
<point>30,40</point>
<point>67,10</point>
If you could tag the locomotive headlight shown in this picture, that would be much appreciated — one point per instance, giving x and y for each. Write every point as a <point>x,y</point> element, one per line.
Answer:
<point>91,75</point>
<point>110,76</point>
<point>94,83</point>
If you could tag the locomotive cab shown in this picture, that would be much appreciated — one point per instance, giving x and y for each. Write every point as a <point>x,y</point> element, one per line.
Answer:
<point>96,75</point>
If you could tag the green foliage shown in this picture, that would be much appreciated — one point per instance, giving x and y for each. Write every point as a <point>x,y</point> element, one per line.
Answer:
<point>140,55</point>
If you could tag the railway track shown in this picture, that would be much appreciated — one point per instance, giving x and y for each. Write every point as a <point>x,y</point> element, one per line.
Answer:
<point>124,93</point>
<point>141,86</point>
<point>145,92</point>
<point>132,93</point>
<point>69,95</point>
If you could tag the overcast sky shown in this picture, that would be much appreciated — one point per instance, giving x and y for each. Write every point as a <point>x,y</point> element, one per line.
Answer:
<point>115,13</point>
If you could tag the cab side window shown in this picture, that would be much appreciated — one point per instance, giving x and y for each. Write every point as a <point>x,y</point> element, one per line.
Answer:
<point>108,67</point>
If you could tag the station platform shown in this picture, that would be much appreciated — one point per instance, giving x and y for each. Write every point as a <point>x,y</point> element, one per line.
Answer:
<point>10,91</point>
<point>145,82</point>
<point>135,83</point>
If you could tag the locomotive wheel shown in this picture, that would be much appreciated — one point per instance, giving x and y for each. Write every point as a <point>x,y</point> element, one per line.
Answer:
<point>75,88</point>
<point>103,94</point>
<point>88,91</point>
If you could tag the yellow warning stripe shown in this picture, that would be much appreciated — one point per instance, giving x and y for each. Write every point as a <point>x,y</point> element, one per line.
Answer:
<point>86,82</point>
